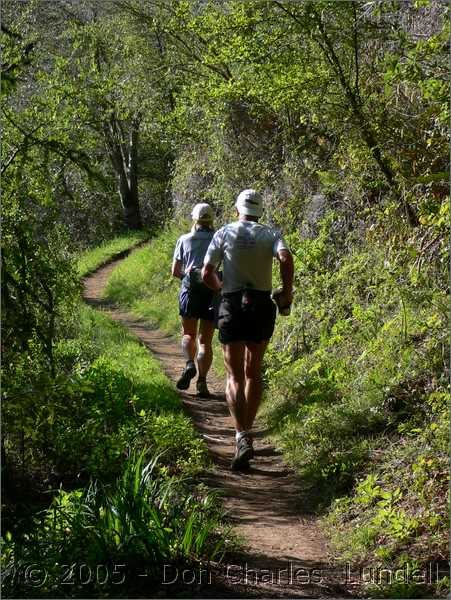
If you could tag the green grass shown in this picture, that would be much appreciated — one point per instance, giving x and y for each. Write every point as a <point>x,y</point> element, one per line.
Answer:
<point>143,284</point>
<point>91,259</point>
<point>125,532</point>
<point>128,386</point>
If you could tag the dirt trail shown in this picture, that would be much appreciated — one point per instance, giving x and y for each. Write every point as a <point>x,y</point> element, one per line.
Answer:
<point>285,554</point>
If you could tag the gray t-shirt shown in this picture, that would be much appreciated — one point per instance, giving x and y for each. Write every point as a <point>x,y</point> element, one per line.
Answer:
<point>246,250</point>
<point>190,248</point>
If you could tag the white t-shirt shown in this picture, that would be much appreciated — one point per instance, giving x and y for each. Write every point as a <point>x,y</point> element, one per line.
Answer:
<point>246,250</point>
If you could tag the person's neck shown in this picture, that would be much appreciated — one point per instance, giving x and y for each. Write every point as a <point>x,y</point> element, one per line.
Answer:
<point>248,218</point>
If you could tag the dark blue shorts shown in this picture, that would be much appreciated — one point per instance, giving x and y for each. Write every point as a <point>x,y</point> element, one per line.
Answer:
<point>197,305</point>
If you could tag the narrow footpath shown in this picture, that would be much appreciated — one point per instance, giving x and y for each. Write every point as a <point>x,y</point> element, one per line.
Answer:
<point>284,552</point>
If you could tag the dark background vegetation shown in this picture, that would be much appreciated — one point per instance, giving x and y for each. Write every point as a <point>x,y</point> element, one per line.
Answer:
<point>118,116</point>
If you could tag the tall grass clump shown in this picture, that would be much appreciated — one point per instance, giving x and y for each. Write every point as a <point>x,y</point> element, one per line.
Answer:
<point>109,539</point>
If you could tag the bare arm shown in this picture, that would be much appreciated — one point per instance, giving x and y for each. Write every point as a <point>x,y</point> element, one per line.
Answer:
<point>177,269</point>
<point>210,277</point>
<point>286,265</point>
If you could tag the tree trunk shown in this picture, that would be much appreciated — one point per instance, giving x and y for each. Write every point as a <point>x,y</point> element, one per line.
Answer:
<point>130,204</point>
<point>124,159</point>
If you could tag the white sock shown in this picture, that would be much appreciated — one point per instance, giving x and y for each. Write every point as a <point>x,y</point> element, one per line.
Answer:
<point>239,435</point>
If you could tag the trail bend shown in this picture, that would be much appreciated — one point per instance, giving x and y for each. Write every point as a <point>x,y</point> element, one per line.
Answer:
<point>284,552</point>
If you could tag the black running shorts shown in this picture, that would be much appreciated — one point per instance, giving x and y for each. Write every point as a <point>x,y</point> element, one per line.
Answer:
<point>196,305</point>
<point>250,322</point>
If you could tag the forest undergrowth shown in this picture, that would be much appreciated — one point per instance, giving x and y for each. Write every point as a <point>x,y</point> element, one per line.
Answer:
<point>109,461</point>
<point>358,400</point>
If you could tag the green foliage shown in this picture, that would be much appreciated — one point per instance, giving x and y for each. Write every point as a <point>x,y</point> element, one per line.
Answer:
<point>337,112</point>
<point>97,421</point>
<point>353,358</point>
<point>39,291</point>
<point>78,117</point>
<point>109,397</point>
<point>130,528</point>
<point>358,393</point>
<point>305,87</point>
<point>398,514</point>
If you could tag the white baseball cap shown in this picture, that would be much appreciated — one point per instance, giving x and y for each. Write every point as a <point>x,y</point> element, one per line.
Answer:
<point>202,212</point>
<point>250,203</point>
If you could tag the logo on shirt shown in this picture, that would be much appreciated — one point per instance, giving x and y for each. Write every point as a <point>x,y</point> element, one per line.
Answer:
<point>245,241</point>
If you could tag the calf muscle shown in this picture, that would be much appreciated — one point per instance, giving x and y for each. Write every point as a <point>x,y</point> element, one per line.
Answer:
<point>243,361</point>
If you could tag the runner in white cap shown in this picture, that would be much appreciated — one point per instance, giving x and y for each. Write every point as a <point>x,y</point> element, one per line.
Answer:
<point>246,312</point>
<point>195,300</point>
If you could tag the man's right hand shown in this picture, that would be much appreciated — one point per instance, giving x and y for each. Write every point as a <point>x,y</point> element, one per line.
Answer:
<point>286,275</point>
<point>286,297</point>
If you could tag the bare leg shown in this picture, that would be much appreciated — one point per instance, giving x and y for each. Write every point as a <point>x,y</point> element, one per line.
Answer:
<point>205,353</point>
<point>253,360</point>
<point>189,327</point>
<point>235,390</point>
<point>189,352</point>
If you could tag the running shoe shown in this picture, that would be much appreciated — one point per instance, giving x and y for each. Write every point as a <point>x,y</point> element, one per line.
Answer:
<point>243,454</point>
<point>202,389</point>
<point>188,373</point>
